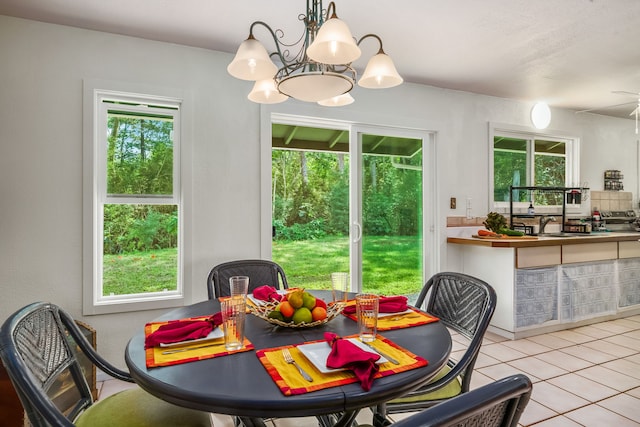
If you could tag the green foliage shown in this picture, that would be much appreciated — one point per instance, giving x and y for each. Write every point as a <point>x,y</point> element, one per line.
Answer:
<point>140,156</point>
<point>308,231</point>
<point>130,228</point>
<point>308,187</point>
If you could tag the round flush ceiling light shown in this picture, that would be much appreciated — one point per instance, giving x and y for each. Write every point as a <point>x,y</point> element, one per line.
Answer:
<point>540,115</point>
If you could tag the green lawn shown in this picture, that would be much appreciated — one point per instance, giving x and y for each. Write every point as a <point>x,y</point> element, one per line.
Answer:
<point>138,272</point>
<point>391,266</point>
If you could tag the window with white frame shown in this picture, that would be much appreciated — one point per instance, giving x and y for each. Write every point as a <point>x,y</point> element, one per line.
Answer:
<point>136,209</point>
<point>531,159</point>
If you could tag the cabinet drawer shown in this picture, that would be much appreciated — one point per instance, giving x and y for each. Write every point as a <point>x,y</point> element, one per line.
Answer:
<point>589,252</point>
<point>629,249</point>
<point>538,256</point>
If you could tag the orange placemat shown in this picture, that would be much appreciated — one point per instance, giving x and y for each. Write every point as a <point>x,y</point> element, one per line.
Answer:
<point>202,350</point>
<point>290,382</point>
<point>399,321</point>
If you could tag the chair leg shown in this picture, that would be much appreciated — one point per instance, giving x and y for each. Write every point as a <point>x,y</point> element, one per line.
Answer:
<point>380,416</point>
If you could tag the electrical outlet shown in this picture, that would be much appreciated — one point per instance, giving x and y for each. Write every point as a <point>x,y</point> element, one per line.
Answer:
<point>452,203</point>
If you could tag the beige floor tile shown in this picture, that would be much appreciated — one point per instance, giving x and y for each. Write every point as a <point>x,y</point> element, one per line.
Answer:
<point>593,331</point>
<point>563,360</point>
<point>551,341</point>
<point>635,392</point>
<point>503,370</point>
<point>559,421</point>
<point>478,379</point>
<point>220,420</point>
<point>485,360</point>
<point>583,387</point>
<point>490,337</point>
<point>624,366</point>
<point>625,405</point>
<point>502,352</point>
<point>635,359</point>
<point>572,336</point>
<point>539,368</point>
<point>527,346</point>
<point>588,354</point>
<point>610,348</point>
<point>632,344</point>
<point>597,416</point>
<point>627,322</point>
<point>610,378</point>
<point>535,412</point>
<point>616,326</point>
<point>556,398</point>
<point>633,334</point>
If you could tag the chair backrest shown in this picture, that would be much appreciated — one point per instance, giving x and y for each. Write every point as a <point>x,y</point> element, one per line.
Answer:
<point>498,404</point>
<point>465,304</point>
<point>260,273</point>
<point>41,347</point>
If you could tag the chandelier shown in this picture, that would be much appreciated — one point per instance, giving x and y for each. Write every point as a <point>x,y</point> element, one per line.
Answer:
<point>320,71</point>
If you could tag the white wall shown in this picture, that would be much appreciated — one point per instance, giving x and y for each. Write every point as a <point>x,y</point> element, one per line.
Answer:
<point>42,67</point>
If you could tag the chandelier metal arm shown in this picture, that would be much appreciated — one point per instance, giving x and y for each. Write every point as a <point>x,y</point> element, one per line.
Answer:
<point>278,51</point>
<point>375,36</point>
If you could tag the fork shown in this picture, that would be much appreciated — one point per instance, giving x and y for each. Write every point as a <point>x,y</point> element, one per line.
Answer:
<point>289,359</point>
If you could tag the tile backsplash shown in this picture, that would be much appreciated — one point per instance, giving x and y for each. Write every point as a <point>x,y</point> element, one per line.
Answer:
<point>611,200</point>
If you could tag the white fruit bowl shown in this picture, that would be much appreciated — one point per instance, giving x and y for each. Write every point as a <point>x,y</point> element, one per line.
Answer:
<point>262,311</point>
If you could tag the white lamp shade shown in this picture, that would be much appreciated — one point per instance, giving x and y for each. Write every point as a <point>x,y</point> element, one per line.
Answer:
<point>252,62</point>
<point>380,73</point>
<point>265,92</point>
<point>337,101</point>
<point>540,115</point>
<point>334,44</point>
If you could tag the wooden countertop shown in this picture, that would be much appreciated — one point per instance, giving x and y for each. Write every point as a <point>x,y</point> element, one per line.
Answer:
<point>599,237</point>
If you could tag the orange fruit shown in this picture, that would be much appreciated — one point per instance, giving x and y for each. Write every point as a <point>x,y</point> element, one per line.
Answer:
<point>318,313</point>
<point>286,309</point>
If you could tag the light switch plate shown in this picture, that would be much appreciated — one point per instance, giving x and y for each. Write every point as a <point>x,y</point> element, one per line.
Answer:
<point>452,203</point>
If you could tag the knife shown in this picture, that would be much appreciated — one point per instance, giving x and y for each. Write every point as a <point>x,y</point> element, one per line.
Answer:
<point>179,350</point>
<point>386,356</point>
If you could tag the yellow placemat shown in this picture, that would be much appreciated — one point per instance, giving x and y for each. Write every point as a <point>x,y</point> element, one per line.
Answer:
<point>399,321</point>
<point>201,350</point>
<point>290,382</point>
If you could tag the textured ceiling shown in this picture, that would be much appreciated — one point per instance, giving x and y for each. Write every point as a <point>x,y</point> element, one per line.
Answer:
<point>570,53</point>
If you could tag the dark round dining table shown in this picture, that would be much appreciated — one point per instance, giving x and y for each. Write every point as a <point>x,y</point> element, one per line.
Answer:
<point>239,385</point>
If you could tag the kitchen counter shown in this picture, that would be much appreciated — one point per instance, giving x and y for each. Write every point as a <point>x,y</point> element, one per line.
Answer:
<point>599,237</point>
<point>549,283</point>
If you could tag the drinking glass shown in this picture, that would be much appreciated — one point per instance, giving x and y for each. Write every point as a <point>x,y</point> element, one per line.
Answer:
<point>239,285</point>
<point>340,286</point>
<point>233,314</point>
<point>367,314</point>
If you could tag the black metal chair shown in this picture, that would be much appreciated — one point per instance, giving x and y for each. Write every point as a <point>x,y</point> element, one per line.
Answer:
<point>498,404</point>
<point>464,304</point>
<point>260,273</point>
<point>44,353</point>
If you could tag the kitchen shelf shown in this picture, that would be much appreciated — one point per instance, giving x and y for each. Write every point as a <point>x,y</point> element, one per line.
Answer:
<point>613,180</point>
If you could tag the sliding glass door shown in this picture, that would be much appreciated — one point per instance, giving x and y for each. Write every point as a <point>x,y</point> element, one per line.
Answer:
<point>349,200</point>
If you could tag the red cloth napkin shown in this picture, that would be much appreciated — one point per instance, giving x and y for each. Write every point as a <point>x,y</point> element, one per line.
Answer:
<point>395,304</point>
<point>182,330</point>
<point>345,354</point>
<point>266,293</point>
